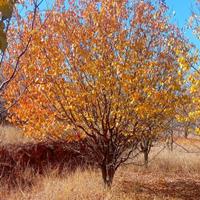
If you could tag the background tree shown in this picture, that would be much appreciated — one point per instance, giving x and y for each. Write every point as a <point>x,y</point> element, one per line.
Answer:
<point>185,122</point>
<point>6,9</point>
<point>7,20</point>
<point>192,109</point>
<point>194,19</point>
<point>105,73</point>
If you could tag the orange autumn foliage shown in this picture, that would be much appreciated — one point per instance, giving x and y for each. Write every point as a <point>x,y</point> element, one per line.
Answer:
<point>101,70</point>
<point>85,53</point>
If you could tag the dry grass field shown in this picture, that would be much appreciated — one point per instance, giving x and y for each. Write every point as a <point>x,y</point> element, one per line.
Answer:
<point>12,135</point>
<point>170,176</point>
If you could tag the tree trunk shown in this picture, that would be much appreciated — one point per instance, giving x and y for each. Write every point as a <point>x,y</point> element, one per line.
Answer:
<point>146,147</point>
<point>171,141</point>
<point>186,132</point>
<point>107,175</point>
<point>146,158</point>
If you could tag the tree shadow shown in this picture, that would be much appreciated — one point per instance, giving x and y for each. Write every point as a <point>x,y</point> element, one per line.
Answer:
<point>183,189</point>
<point>180,188</point>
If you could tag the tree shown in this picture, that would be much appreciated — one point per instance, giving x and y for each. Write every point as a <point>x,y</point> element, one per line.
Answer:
<point>6,9</point>
<point>106,73</point>
<point>7,62</point>
<point>185,121</point>
<point>191,112</point>
<point>192,117</point>
<point>194,19</point>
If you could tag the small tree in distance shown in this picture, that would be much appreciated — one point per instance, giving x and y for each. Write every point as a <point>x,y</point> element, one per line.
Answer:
<point>191,112</point>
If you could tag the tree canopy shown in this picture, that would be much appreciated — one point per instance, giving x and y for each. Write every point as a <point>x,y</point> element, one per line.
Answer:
<point>107,72</point>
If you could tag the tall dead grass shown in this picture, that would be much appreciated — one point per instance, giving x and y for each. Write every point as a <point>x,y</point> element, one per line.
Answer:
<point>12,135</point>
<point>170,162</point>
<point>176,162</point>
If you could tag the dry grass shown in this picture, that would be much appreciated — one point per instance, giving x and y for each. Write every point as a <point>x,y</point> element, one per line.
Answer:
<point>170,176</point>
<point>177,162</point>
<point>12,135</point>
<point>82,185</point>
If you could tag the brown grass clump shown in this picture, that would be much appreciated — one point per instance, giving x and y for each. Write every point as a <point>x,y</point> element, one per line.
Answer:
<point>16,158</point>
<point>18,153</point>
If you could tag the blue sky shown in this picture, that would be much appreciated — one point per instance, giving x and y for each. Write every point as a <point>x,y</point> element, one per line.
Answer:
<point>182,10</point>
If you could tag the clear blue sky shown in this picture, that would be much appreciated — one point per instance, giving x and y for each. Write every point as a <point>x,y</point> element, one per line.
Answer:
<point>182,10</point>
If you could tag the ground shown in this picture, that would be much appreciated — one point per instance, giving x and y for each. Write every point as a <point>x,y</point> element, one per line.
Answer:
<point>171,175</point>
<point>163,186</point>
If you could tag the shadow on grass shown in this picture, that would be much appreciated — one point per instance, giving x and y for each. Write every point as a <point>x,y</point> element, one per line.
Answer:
<point>179,189</point>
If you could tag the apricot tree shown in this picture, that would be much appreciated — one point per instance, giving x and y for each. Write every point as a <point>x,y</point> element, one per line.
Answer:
<point>103,73</point>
